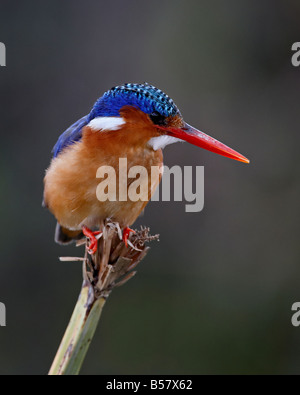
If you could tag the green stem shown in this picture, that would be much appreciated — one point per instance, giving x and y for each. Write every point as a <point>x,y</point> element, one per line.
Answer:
<point>79,334</point>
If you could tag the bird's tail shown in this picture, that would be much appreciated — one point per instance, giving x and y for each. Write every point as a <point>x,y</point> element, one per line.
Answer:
<point>66,236</point>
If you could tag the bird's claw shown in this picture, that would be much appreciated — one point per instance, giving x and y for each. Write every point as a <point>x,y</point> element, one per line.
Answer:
<point>93,240</point>
<point>126,233</point>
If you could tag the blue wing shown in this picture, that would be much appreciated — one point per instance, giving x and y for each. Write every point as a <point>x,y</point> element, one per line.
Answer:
<point>70,136</point>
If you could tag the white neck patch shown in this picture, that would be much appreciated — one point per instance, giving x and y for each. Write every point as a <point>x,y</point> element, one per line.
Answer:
<point>161,142</point>
<point>106,123</point>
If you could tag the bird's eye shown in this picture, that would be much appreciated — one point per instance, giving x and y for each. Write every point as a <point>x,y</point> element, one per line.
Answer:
<point>157,118</point>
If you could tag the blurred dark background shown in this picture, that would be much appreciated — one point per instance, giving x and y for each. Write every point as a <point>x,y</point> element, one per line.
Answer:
<point>215,295</point>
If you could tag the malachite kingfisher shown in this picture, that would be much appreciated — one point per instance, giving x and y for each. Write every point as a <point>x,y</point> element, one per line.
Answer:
<point>132,121</point>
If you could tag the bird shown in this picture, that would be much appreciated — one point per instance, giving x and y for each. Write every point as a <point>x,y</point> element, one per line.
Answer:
<point>135,121</point>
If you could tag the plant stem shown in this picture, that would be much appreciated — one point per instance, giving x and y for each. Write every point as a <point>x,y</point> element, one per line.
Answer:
<point>111,266</point>
<point>79,333</point>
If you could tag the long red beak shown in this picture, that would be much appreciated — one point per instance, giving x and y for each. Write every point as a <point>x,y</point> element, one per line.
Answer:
<point>200,139</point>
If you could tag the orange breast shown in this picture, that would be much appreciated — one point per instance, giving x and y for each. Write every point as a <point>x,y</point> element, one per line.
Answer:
<point>71,183</point>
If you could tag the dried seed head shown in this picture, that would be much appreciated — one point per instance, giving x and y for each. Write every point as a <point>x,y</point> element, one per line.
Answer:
<point>113,263</point>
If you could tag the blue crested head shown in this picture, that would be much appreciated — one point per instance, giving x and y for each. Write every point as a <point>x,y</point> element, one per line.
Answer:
<point>146,97</point>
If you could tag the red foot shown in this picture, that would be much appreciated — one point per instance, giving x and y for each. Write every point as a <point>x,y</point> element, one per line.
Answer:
<point>126,233</point>
<point>93,245</point>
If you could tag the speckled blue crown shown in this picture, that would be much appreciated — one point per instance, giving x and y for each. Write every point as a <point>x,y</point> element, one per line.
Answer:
<point>144,96</point>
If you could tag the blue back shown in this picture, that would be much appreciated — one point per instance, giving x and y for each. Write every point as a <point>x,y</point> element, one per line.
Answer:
<point>143,96</point>
<point>70,136</point>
